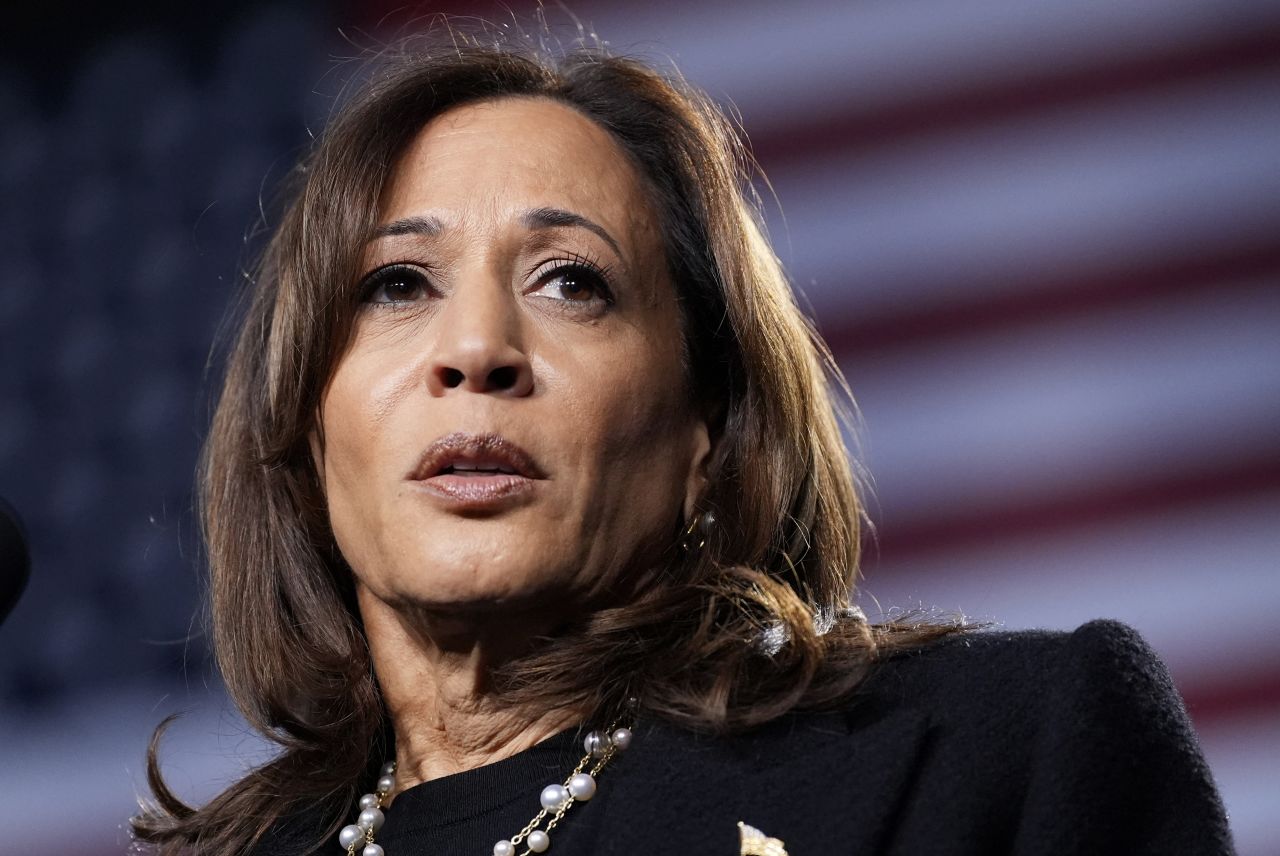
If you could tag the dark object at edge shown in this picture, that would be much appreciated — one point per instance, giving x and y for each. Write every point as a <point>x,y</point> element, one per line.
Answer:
<point>15,560</point>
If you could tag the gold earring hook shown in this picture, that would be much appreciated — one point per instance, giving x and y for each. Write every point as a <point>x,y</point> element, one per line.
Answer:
<point>703,522</point>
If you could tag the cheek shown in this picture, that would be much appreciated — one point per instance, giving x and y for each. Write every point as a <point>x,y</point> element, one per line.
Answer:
<point>345,415</point>
<point>365,397</point>
<point>634,492</point>
<point>356,414</point>
<point>630,415</point>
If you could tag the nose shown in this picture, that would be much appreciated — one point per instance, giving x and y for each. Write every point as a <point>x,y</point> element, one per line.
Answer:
<point>478,344</point>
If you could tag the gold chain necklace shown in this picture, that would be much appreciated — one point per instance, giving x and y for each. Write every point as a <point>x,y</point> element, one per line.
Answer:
<point>556,800</point>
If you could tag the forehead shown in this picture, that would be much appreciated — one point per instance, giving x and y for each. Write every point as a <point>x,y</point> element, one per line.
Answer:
<point>494,158</point>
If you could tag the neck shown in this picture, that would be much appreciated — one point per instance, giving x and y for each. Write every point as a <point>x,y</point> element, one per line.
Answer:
<point>434,673</point>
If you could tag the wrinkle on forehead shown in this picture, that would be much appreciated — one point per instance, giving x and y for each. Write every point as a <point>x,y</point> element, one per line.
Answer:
<point>577,166</point>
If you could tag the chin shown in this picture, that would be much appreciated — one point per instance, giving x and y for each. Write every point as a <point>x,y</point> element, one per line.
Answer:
<point>480,582</point>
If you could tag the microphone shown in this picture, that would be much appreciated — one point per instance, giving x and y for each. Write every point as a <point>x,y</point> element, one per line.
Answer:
<point>15,559</point>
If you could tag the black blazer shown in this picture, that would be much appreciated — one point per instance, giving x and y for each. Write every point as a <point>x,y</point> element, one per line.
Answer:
<point>986,743</point>
<point>990,743</point>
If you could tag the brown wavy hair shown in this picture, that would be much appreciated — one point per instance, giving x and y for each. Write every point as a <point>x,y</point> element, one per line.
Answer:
<point>755,624</point>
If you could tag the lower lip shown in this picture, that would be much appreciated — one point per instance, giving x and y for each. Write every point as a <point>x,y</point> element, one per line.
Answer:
<point>478,491</point>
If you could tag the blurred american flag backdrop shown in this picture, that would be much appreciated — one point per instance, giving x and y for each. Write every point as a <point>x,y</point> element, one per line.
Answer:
<point>1042,239</point>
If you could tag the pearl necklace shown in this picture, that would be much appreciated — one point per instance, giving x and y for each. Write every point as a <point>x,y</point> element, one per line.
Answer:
<point>580,786</point>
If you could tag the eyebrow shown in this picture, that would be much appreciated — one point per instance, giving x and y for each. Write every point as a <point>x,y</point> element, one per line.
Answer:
<point>554,218</point>
<point>410,226</point>
<point>535,218</point>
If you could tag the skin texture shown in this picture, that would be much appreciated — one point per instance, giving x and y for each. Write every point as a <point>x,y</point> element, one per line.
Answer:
<point>480,333</point>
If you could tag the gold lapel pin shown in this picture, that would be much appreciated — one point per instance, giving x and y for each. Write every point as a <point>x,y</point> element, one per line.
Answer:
<point>756,843</point>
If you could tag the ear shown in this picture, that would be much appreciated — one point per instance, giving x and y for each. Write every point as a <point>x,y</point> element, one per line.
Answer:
<point>699,464</point>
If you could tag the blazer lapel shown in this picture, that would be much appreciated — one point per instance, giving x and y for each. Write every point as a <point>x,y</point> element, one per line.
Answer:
<point>814,781</point>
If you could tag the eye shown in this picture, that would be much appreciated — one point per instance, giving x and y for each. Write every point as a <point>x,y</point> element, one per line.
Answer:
<point>398,283</point>
<point>573,281</point>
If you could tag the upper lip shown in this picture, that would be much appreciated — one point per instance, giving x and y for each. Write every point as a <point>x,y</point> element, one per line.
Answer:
<point>476,451</point>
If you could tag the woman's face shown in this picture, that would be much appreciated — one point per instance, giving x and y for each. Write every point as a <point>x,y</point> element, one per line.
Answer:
<point>510,426</point>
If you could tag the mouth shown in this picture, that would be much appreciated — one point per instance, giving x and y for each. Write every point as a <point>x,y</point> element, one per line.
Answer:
<point>466,469</point>
<point>476,470</point>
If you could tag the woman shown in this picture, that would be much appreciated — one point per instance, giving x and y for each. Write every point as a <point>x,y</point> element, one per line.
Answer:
<point>530,524</point>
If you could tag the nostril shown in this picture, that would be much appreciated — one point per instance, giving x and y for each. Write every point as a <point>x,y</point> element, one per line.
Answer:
<point>508,378</point>
<point>503,377</point>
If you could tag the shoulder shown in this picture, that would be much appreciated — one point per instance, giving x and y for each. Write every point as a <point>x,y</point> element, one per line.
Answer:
<point>301,831</point>
<point>1078,737</point>
<point>1099,689</point>
<point>998,669</point>
<point>985,742</point>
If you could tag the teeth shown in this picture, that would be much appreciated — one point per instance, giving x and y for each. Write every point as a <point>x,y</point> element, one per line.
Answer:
<point>476,468</point>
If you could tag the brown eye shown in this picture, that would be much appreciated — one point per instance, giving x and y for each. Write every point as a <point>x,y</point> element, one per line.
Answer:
<point>574,283</point>
<point>395,284</point>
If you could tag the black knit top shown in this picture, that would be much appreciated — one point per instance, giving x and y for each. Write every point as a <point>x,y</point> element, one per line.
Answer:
<point>468,812</point>
<point>985,743</point>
